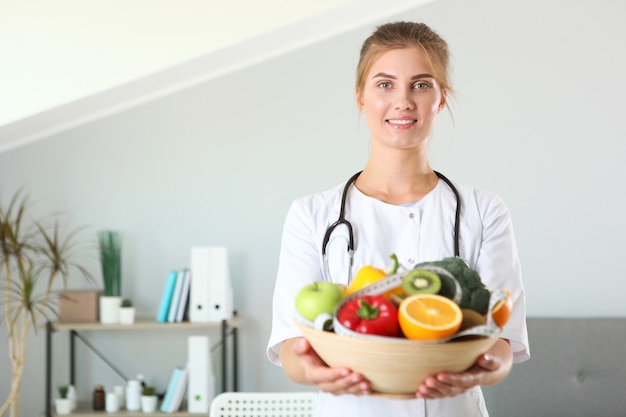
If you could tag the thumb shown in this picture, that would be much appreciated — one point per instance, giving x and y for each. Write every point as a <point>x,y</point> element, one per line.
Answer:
<point>301,346</point>
<point>489,362</point>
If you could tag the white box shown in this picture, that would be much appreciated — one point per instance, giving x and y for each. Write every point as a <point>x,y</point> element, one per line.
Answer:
<point>200,388</point>
<point>211,294</point>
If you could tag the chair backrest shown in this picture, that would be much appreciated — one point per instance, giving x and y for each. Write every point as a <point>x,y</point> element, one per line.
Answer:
<point>264,404</point>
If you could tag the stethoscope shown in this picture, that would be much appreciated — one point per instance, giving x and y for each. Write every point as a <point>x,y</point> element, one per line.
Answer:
<point>343,221</point>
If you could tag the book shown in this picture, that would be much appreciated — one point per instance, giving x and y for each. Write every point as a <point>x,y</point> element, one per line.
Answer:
<point>173,312</point>
<point>166,298</point>
<point>179,392</point>
<point>171,388</point>
<point>184,296</point>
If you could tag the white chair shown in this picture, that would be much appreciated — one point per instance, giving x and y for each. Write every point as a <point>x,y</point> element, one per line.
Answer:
<point>264,404</point>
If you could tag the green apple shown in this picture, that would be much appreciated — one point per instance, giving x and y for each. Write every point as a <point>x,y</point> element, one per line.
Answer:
<point>318,298</point>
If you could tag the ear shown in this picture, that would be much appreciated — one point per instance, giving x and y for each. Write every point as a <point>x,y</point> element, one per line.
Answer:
<point>359,98</point>
<point>442,103</point>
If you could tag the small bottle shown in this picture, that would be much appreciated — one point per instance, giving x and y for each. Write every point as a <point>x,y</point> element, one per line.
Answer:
<point>141,380</point>
<point>133,395</point>
<point>98,398</point>
<point>112,404</point>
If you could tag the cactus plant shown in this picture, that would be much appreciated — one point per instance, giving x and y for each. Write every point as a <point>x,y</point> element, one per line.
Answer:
<point>63,390</point>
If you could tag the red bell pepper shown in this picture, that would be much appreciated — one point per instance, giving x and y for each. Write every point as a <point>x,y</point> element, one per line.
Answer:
<point>370,314</point>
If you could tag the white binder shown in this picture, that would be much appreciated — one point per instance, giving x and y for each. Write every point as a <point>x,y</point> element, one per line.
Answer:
<point>211,296</point>
<point>201,381</point>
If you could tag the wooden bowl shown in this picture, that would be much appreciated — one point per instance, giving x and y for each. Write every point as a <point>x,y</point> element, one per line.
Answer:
<point>395,367</point>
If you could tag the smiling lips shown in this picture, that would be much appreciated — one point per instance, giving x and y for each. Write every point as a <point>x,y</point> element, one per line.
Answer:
<point>401,123</point>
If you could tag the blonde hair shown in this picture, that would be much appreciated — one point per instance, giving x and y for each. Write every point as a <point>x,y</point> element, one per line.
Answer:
<point>397,35</point>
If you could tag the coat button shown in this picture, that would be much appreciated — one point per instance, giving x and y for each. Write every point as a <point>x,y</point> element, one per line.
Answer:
<point>411,215</point>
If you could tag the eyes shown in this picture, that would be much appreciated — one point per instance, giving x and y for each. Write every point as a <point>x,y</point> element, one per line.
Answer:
<point>420,85</point>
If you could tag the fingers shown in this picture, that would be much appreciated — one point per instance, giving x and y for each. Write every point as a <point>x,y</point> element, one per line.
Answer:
<point>488,362</point>
<point>343,381</point>
<point>332,380</point>
<point>450,384</point>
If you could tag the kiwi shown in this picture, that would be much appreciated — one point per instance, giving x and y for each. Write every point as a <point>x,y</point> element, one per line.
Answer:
<point>421,281</point>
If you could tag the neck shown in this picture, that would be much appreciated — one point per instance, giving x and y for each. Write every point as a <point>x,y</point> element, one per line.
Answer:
<point>403,180</point>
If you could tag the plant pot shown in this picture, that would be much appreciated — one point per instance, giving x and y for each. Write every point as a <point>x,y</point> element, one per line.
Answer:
<point>63,405</point>
<point>110,309</point>
<point>127,315</point>
<point>148,403</point>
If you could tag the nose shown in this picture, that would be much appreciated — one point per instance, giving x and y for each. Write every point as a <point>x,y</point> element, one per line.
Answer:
<point>405,101</point>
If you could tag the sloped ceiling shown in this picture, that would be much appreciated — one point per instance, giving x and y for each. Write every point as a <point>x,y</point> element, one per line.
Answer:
<point>67,62</point>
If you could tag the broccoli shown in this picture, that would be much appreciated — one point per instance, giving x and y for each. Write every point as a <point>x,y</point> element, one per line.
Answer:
<point>475,295</point>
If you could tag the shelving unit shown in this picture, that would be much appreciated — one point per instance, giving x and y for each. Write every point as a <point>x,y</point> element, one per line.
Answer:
<point>228,328</point>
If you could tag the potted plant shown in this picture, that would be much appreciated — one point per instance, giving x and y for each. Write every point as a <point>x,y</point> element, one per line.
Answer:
<point>148,399</point>
<point>34,255</point>
<point>110,259</point>
<point>127,312</point>
<point>63,404</point>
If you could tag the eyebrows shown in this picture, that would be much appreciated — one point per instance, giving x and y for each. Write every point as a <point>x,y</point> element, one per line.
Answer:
<point>393,77</point>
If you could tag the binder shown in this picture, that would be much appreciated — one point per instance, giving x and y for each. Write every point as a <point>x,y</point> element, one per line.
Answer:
<point>211,297</point>
<point>166,298</point>
<point>200,389</point>
<point>177,398</point>
<point>184,296</point>
<point>173,312</point>
<point>171,388</point>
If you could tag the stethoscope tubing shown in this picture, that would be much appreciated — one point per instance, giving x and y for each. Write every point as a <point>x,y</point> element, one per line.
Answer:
<point>343,221</point>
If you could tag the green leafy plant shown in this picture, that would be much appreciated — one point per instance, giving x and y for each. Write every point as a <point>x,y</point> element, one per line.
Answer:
<point>127,302</point>
<point>33,256</point>
<point>63,390</point>
<point>148,391</point>
<point>110,259</point>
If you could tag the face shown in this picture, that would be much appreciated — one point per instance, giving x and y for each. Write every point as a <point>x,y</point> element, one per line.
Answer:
<point>400,99</point>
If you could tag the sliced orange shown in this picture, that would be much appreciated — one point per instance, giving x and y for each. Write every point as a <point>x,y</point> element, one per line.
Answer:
<point>502,310</point>
<point>429,317</point>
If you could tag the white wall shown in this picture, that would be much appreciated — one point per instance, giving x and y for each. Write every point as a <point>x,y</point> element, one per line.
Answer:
<point>537,120</point>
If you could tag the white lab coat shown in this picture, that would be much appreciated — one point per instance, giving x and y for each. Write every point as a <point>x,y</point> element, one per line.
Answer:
<point>415,233</point>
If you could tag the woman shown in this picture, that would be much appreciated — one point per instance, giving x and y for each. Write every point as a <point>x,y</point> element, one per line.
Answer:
<point>399,205</point>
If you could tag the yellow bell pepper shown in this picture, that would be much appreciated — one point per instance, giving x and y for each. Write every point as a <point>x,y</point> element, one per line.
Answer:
<point>369,274</point>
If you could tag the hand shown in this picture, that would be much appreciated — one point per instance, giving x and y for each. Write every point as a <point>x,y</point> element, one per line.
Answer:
<point>490,368</point>
<point>315,371</point>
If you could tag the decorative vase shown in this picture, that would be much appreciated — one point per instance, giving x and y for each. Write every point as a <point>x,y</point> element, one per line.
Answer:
<point>127,315</point>
<point>63,405</point>
<point>110,309</point>
<point>148,403</point>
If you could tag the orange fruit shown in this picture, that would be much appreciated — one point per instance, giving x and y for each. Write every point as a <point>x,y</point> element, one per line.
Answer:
<point>429,317</point>
<point>502,310</point>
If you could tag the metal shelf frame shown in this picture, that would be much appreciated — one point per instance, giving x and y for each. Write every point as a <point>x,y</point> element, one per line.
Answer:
<point>227,327</point>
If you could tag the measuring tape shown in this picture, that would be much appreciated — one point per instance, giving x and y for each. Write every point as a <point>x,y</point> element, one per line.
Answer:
<point>392,282</point>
